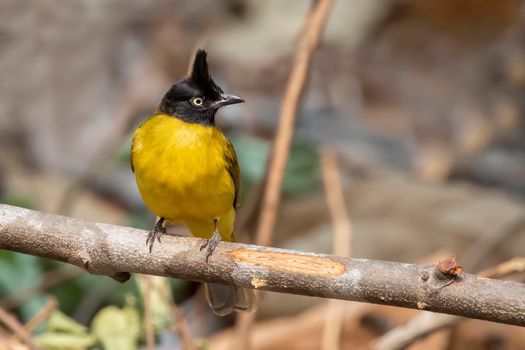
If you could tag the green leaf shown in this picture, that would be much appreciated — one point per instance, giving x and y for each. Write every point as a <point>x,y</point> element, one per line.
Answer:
<point>117,329</point>
<point>64,341</point>
<point>159,289</point>
<point>64,333</point>
<point>59,322</point>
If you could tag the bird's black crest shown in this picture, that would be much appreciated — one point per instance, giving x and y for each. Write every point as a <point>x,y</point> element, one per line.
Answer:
<point>200,76</point>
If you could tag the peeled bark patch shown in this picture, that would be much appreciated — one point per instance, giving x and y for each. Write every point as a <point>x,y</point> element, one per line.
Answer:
<point>304,264</point>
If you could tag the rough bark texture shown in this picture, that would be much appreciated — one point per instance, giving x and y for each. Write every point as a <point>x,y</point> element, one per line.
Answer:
<point>114,251</point>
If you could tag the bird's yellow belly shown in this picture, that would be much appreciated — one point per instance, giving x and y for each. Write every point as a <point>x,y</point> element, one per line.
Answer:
<point>181,172</point>
<point>178,197</point>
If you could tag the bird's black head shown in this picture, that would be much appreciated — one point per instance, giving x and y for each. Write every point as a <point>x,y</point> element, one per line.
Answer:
<point>196,98</point>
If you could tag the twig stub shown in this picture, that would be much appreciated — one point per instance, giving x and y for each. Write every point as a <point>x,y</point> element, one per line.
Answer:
<point>444,274</point>
<point>449,268</point>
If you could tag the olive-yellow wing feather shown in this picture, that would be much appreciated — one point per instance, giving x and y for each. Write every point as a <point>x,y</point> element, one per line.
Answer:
<point>233,168</point>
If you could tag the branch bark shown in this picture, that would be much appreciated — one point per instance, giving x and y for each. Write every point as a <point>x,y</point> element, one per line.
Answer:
<point>115,251</point>
<point>428,323</point>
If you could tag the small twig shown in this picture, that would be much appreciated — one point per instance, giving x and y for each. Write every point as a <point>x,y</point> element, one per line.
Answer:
<point>42,315</point>
<point>180,325</point>
<point>509,267</point>
<point>243,329</point>
<point>342,241</point>
<point>417,328</point>
<point>17,328</point>
<point>277,333</point>
<point>428,323</point>
<point>182,328</point>
<point>148,321</point>
<point>336,203</point>
<point>308,43</point>
<point>483,247</point>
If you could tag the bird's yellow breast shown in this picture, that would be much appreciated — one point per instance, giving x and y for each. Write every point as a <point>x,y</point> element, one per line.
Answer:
<point>181,170</point>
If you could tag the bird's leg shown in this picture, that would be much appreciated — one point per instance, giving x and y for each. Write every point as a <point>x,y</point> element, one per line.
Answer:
<point>155,234</point>
<point>213,242</point>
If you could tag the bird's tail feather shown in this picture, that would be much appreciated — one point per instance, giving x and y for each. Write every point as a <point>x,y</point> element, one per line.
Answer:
<point>225,299</point>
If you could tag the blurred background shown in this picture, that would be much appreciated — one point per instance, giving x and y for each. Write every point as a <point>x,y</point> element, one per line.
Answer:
<point>421,101</point>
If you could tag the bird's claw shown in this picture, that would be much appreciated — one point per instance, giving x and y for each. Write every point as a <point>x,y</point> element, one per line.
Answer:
<point>155,234</point>
<point>211,243</point>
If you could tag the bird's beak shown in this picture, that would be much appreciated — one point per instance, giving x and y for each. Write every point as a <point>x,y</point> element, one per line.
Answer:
<point>227,100</point>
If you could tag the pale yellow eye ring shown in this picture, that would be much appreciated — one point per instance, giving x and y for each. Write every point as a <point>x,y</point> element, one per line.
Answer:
<point>197,101</point>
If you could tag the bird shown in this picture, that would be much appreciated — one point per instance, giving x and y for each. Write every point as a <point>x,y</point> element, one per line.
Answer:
<point>187,172</point>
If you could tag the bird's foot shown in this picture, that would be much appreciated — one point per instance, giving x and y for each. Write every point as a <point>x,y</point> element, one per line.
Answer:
<point>155,234</point>
<point>211,243</point>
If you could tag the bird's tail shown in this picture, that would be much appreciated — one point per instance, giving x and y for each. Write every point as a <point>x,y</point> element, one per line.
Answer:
<point>225,299</point>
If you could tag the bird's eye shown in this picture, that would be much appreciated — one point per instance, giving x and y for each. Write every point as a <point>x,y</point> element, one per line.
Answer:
<point>197,101</point>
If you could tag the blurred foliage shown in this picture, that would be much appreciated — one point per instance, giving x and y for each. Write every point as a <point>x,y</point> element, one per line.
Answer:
<point>63,333</point>
<point>301,177</point>
<point>18,201</point>
<point>113,328</point>
<point>160,298</point>
<point>142,220</point>
<point>12,266</point>
<point>117,329</point>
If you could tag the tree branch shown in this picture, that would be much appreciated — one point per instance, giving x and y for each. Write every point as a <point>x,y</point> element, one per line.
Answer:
<point>18,329</point>
<point>427,323</point>
<point>114,251</point>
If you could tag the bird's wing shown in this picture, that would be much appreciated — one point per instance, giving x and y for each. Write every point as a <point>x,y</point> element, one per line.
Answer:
<point>233,168</point>
<point>131,155</point>
<point>137,135</point>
